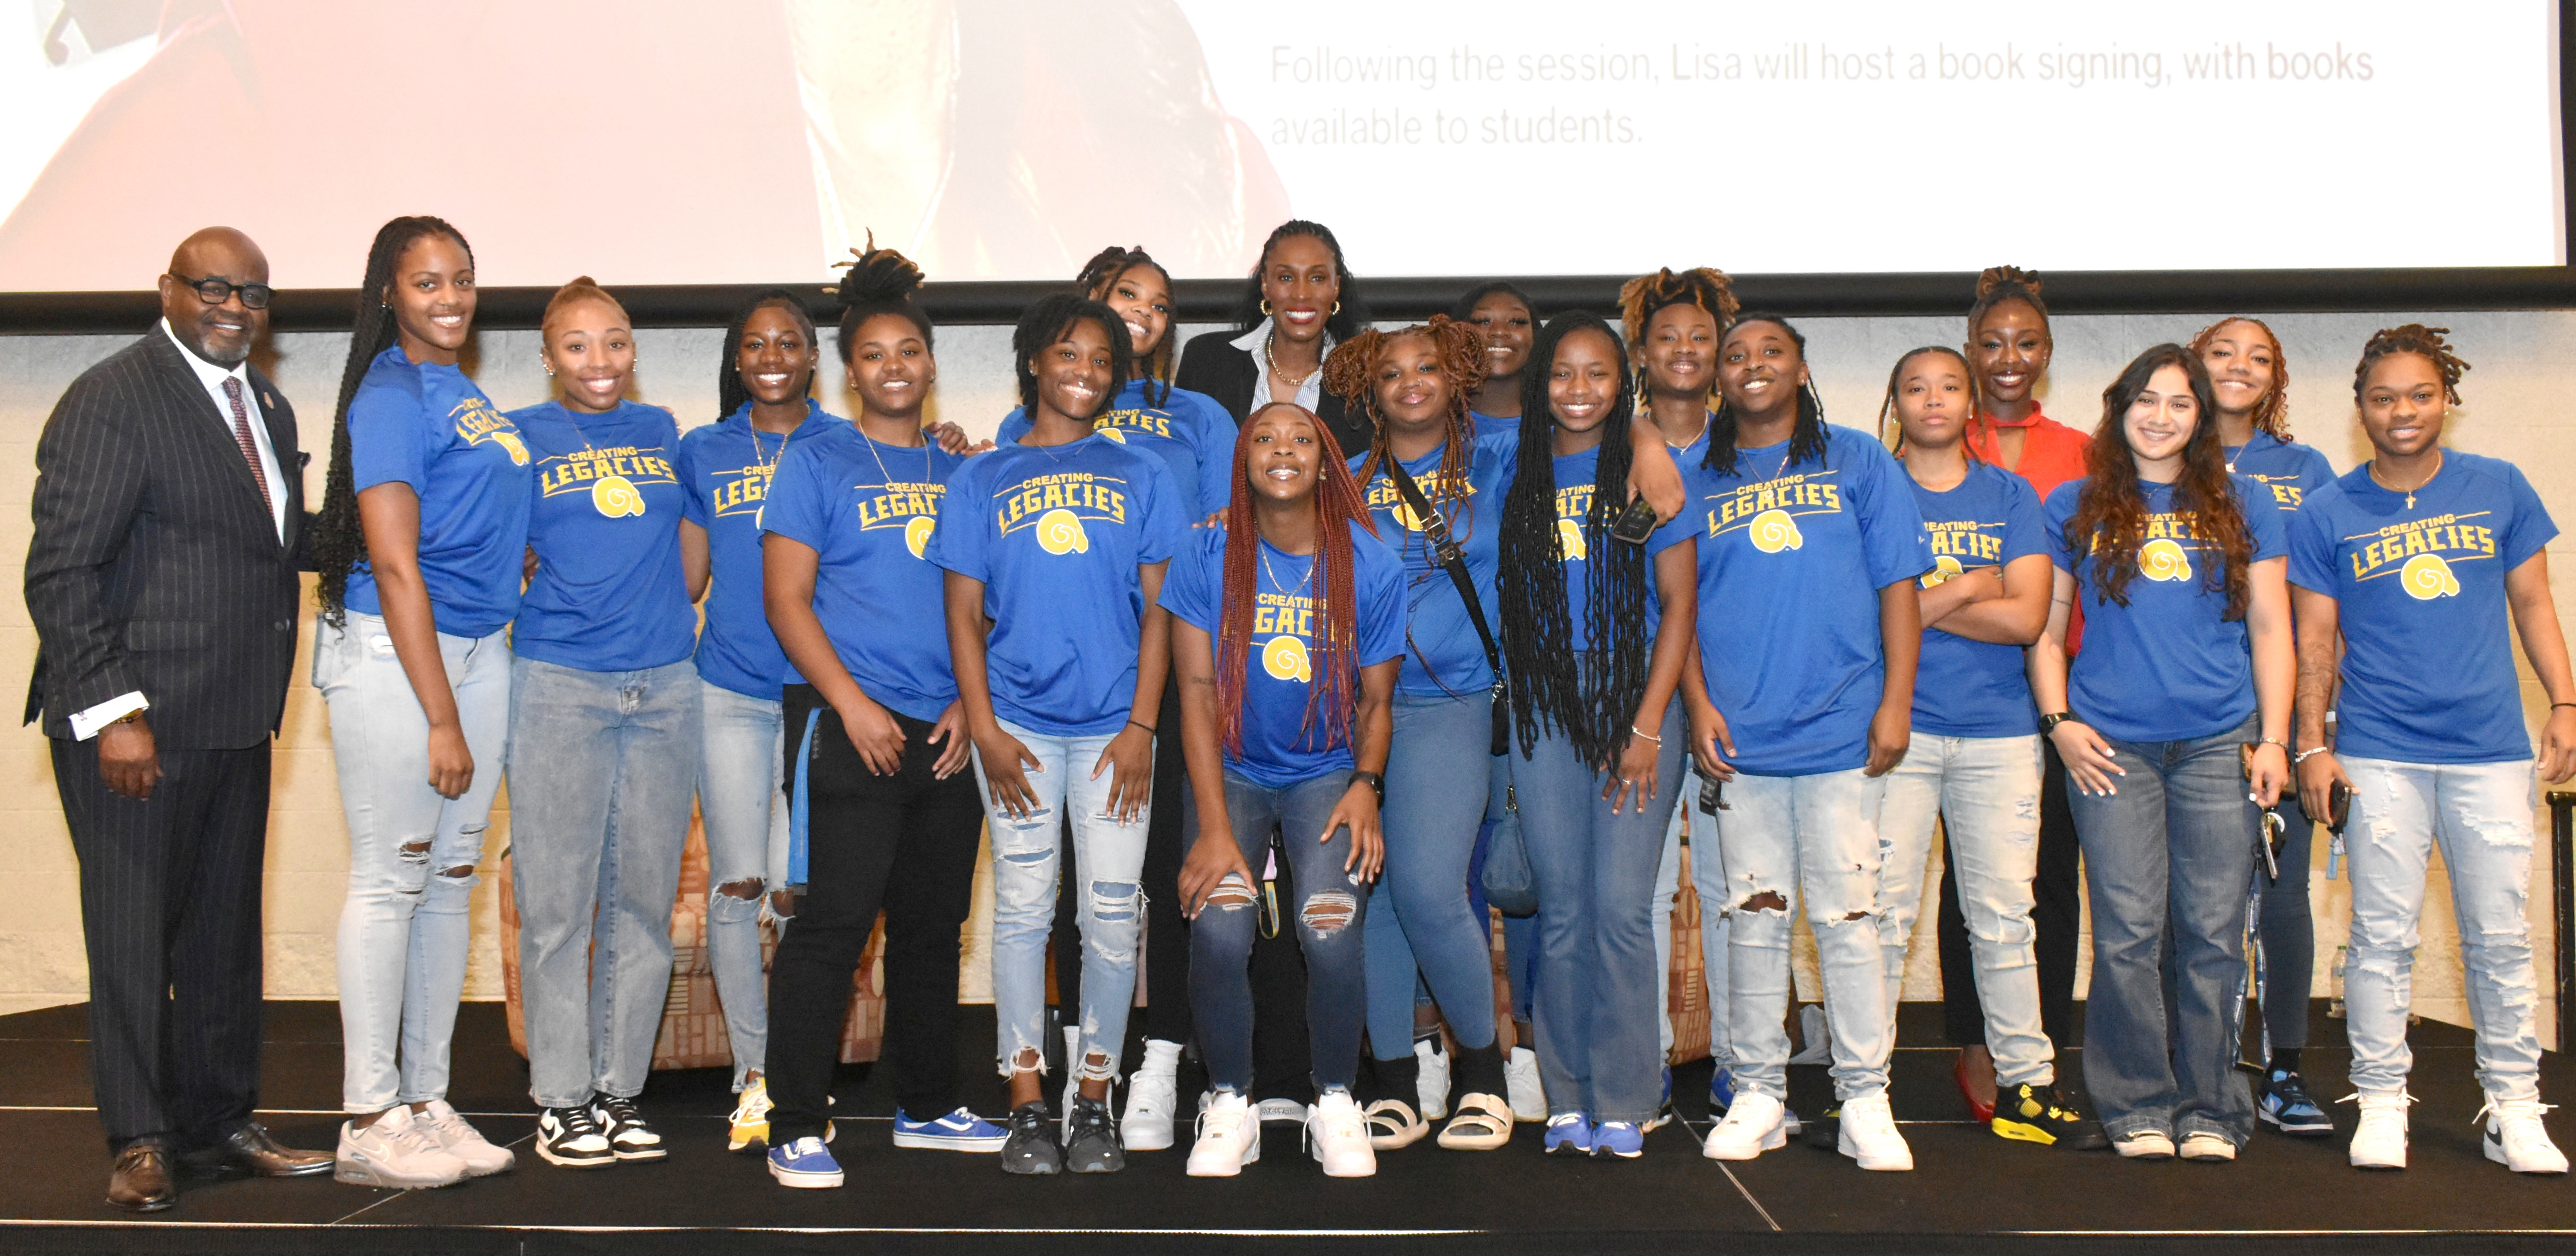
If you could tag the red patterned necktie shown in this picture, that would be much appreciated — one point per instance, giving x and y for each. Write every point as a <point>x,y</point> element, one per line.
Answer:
<point>249,448</point>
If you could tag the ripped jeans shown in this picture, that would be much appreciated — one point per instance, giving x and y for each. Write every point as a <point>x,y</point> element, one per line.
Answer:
<point>739,755</point>
<point>2481,815</point>
<point>1985,791</point>
<point>1332,904</point>
<point>1813,840</point>
<point>1108,861</point>
<point>404,929</point>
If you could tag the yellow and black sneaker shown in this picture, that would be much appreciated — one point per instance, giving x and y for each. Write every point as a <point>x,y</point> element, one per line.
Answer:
<point>2038,1114</point>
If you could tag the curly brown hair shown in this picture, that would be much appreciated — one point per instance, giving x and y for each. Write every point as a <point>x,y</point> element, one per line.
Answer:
<point>2272,414</point>
<point>1704,286</point>
<point>1351,373</point>
<point>2111,511</point>
<point>2419,339</point>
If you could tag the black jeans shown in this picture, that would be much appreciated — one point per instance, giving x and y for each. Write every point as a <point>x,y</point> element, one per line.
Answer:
<point>905,843</point>
<point>2056,917</point>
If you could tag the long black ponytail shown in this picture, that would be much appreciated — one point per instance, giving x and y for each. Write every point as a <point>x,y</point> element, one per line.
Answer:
<point>339,540</point>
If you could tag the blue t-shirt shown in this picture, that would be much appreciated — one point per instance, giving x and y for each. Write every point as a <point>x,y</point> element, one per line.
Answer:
<point>1443,655</point>
<point>2291,470</point>
<point>1190,432</point>
<point>2428,671</point>
<point>1965,688</point>
<point>727,467</point>
<point>609,595</point>
<point>426,425</point>
<point>1791,559</point>
<point>868,511</point>
<point>1575,474</point>
<point>1486,425</point>
<point>2165,667</point>
<point>1056,534</point>
<point>1280,747</point>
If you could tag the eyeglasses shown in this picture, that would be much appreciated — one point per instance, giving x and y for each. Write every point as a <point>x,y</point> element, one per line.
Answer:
<point>254,296</point>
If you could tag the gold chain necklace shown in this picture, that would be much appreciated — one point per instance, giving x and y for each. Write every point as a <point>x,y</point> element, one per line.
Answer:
<point>612,495</point>
<point>2409,492</point>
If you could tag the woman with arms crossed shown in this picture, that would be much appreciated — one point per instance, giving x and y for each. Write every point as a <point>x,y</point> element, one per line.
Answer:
<point>1287,624</point>
<point>2415,560</point>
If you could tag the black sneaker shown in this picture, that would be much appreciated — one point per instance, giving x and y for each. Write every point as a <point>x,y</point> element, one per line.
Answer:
<point>1091,1145</point>
<point>572,1137</point>
<point>628,1136</point>
<point>1032,1148</point>
<point>2039,1114</point>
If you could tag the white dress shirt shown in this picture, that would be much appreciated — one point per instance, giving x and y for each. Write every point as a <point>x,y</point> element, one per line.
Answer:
<point>85,724</point>
<point>1309,394</point>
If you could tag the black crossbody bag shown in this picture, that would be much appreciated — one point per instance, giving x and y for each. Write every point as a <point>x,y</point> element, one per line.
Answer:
<point>1435,529</point>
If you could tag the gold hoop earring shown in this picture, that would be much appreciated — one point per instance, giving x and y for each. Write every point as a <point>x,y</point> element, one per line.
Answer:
<point>1265,307</point>
<point>1337,308</point>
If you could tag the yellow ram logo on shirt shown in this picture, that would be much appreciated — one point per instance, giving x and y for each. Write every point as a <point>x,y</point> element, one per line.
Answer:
<point>1060,532</point>
<point>2428,576</point>
<point>1775,530</point>
<point>1944,566</point>
<point>2163,559</point>
<point>1285,659</point>
<point>916,533</point>
<point>1569,540</point>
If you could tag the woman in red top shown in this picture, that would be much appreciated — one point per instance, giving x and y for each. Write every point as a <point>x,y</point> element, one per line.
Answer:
<point>2008,347</point>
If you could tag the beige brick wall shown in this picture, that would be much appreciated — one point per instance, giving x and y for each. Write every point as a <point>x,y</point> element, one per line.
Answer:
<point>2514,409</point>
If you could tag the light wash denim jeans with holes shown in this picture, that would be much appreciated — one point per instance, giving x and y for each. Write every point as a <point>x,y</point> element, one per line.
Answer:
<point>1985,791</point>
<point>602,768</point>
<point>740,760</point>
<point>1810,840</point>
<point>1108,863</point>
<point>2480,813</point>
<point>405,930</point>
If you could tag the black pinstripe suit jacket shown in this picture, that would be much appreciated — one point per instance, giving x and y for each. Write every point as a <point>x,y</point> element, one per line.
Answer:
<point>155,567</point>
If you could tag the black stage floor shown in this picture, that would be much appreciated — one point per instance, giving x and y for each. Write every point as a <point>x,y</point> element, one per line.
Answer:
<point>1972,1192</point>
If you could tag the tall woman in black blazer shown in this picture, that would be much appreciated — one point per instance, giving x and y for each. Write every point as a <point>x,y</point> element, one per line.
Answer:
<point>1300,303</point>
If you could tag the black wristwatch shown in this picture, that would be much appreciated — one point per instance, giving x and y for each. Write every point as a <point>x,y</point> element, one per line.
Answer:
<point>1375,782</point>
<point>2048,723</point>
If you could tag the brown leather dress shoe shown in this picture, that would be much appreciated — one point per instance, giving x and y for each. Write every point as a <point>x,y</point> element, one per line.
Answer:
<point>141,1180</point>
<point>252,1150</point>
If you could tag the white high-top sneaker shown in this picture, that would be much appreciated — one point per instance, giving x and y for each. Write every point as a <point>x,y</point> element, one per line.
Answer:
<point>1337,1136</point>
<point>1229,1138</point>
<point>1521,1084</point>
<point>1152,1097</point>
<point>1869,1136</point>
<point>1753,1125</point>
<point>2379,1142</point>
<point>1431,1078</point>
<point>2516,1139</point>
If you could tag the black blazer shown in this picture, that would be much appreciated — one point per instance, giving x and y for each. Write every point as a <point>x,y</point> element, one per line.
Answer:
<point>1211,364</point>
<point>155,566</point>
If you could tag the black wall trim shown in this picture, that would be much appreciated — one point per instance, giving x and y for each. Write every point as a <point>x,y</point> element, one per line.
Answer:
<point>1213,300</point>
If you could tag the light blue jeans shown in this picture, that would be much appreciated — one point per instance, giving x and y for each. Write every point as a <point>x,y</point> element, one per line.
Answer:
<point>2481,815</point>
<point>602,768</point>
<point>1701,828</point>
<point>1598,975</point>
<point>1812,840</point>
<point>403,931</point>
<point>1439,773</point>
<point>741,757</point>
<point>1985,792</point>
<point>1108,861</point>
<point>2166,862</point>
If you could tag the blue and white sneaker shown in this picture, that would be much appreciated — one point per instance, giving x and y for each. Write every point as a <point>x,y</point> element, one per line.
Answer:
<point>960,1130</point>
<point>1569,1134</point>
<point>1623,1139</point>
<point>1664,1106</point>
<point>804,1164</point>
<point>1721,1092</point>
<point>2281,1101</point>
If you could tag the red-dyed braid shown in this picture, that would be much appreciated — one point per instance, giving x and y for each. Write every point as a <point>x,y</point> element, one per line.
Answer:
<point>1338,505</point>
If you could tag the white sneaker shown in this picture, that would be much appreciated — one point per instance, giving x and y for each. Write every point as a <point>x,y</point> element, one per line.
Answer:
<point>1521,1084</point>
<point>1869,1136</point>
<point>750,1121</point>
<point>2516,1139</point>
<point>1337,1136</point>
<point>1431,1079</point>
<point>1753,1125</point>
<point>463,1141</point>
<point>2144,1145</point>
<point>1818,1033</point>
<point>1228,1139</point>
<point>395,1152</point>
<point>2379,1142</point>
<point>1072,1080</point>
<point>1152,1097</point>
<point>1288,1110</point>
<point>2207,1148</point>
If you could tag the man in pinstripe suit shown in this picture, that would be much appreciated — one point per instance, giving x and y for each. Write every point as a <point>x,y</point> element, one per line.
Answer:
<point>162,581</point>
